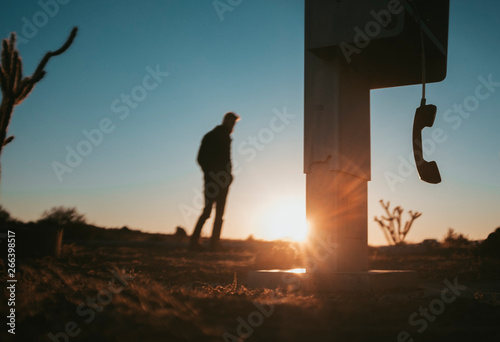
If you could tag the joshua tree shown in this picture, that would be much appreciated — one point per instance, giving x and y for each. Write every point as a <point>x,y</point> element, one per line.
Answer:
<point>394,232</point>
<point>15,87</point>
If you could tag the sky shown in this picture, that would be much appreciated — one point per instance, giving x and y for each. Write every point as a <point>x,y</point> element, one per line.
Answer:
<point>114,127</point>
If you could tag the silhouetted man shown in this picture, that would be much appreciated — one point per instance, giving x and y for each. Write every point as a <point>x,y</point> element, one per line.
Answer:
<point>214,158</point>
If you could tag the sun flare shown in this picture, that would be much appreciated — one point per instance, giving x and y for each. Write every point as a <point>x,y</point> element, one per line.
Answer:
<point>285,219</point>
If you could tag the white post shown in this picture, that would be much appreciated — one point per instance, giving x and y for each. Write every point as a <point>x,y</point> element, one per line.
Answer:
<point>337,160</point>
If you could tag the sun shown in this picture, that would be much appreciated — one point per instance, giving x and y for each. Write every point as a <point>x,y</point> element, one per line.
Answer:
<point>285,219</point>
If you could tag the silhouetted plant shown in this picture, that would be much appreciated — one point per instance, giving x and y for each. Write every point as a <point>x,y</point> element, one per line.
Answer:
<point>491,246</point>
<point>7,219</point>
<point>453,239</point>
<point>180,232</point>
<point>394,231</point>
<point>15,87</point>
<point>4,215</point>
<point>62,216</point>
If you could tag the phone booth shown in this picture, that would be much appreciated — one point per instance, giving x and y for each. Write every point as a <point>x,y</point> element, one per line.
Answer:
<point>352,46</point>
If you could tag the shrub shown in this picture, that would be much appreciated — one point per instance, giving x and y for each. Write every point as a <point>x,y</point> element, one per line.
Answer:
<point>453,239</point>
<point>392,225</point>
<point>62,216</point>
<point>180,232</point>
<point>6,220</point>
<point>491,246</point>
<point>4,215</point>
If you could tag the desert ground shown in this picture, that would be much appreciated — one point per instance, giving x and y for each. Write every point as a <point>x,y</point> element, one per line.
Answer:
<point>131,286</point>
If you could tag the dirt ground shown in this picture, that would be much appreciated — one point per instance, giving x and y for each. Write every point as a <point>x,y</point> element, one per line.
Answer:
<point>158,291</point>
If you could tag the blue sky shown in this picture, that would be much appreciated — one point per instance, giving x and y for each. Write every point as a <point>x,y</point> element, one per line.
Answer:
<point>143,173</point>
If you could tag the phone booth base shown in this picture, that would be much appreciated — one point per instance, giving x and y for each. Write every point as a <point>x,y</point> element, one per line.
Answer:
<point>354,282</point>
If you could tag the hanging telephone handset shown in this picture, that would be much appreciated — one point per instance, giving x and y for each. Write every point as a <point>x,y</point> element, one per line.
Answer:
<point>424,117</point>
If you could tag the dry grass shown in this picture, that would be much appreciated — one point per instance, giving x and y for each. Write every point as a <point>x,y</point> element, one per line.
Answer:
<point>174,295</point>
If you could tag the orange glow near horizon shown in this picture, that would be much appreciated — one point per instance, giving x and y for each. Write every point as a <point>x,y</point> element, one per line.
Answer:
<point>285,219</point>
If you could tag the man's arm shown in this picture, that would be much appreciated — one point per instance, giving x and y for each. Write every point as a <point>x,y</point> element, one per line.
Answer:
<point>202,158</point>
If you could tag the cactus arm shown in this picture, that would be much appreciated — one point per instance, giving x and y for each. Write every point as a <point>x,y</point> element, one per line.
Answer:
<point>8,140</point>
<point>40,72</point>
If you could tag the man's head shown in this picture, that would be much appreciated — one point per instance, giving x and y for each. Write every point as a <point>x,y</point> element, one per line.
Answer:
<point>230,119</point>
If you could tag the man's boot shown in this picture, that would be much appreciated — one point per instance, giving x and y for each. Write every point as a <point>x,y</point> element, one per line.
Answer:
<point>194,245</point>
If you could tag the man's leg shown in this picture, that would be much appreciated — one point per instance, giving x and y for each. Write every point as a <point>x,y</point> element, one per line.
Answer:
<point>209,201</point>
<point>219,213</point>
<point>199,225</point>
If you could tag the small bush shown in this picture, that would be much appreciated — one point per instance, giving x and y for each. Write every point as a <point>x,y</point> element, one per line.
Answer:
<point>4,215</point>
<point>491,246</point>
<point>62,216</point>
<point>453,239</point>
<point>6,220</point>
<point>392,225</point>
<point>180,233</point>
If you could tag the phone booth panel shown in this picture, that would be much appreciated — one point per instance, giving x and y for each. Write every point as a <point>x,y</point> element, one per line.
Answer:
<point>381,38</point>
